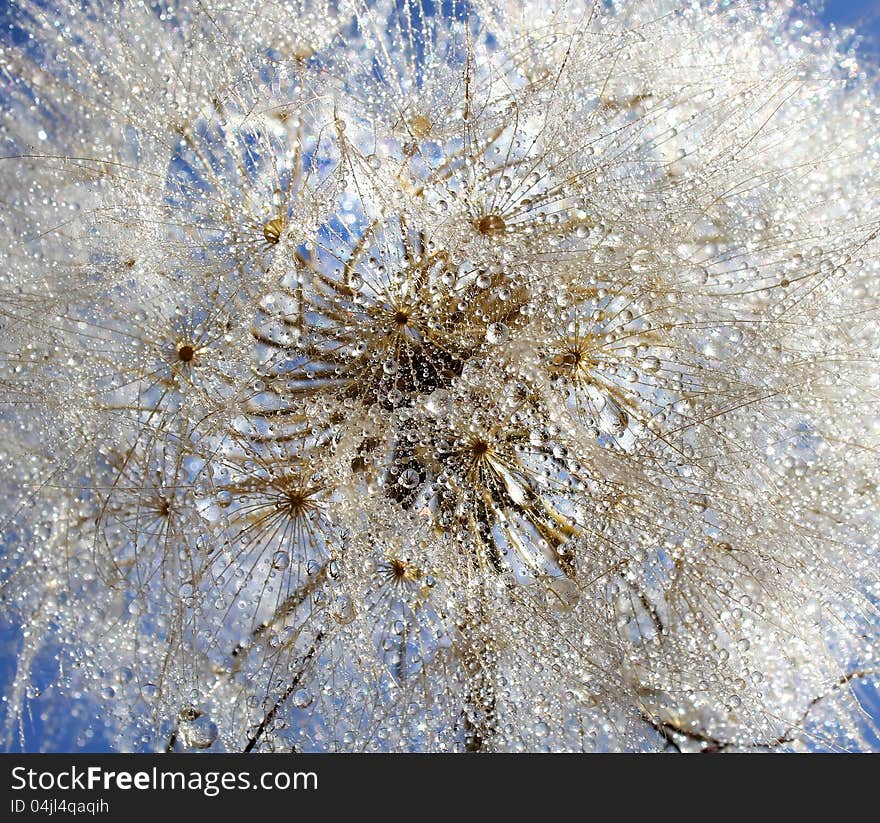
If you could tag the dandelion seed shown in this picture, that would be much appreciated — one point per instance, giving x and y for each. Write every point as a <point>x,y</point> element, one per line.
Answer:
<point>272,230</point>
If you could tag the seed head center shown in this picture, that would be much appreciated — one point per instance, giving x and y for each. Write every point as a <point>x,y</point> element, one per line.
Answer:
<point>490,225</point>
<point>272,230</point>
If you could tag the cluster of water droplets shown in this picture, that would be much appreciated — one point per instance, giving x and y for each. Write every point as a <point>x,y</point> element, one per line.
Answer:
<point>406,378</point>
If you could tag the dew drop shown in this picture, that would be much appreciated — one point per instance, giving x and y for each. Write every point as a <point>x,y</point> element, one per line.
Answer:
<point>302,698</point>
<point>497,333</point>
<point>200,732</point>
<point>640,261</point>
<point>344,610</point>
<point>409,479</point>
<point>563,594</point>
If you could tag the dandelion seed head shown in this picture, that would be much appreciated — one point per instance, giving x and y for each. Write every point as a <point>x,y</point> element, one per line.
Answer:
<point>382,376</point>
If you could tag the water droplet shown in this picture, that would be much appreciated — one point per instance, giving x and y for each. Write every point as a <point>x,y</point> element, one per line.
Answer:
<point>497,333</point>
<point>344,610</point>
<point>640,261</point>
<point>302,698</point>
<point>409,479</point>
<point>563,594</point>
<point>695,275</point>
<point>199,732</point>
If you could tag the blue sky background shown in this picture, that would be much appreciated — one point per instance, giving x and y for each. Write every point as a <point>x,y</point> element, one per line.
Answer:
<point>862,15</point>
<point>853,11</point>
<point>78,733</point>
